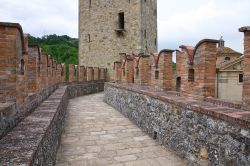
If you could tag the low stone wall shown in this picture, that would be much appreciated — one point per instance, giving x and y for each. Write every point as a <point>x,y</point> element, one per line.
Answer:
<point>84,88</point>
<point>34,141</point>
<point>11,114</point>
<point>204,133</point>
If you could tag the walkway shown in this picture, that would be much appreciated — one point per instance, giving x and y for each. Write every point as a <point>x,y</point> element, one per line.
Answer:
<point>96,134</point>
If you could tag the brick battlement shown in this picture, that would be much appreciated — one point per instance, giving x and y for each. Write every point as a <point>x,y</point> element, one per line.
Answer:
<point>224,111</point>
<point>35,140</point>
<point>200,131</point>
<point>28,75</point>
<point>196,71</point>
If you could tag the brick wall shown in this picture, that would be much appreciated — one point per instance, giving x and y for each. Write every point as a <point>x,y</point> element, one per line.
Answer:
<point>44,71</point>
<point>118,71</point>
<point>103,73</point>
<point>205,68</point>
<point>90,73</point>
<point>83,74</point>
<point>246,67</point>
<point>73,70</point>
<point>127,68</point>
<point>141,69</point>
<point>12,66</point>
<point>184,63</point>
<point>59,73</point>
<point>33,69</point>
<point>162,70</point>
<point>96,73</point>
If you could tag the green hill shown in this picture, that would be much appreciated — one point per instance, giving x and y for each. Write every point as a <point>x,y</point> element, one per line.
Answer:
<point>63,49</point>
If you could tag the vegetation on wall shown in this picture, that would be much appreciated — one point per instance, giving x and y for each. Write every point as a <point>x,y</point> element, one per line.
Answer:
<point>63,49</point>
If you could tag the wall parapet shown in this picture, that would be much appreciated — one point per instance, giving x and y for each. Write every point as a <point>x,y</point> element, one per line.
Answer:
<point>35,140</point>
<point>202,105</point>
<point>200,131</point>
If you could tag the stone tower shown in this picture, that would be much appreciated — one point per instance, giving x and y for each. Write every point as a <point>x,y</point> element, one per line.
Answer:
<point>110,27</point>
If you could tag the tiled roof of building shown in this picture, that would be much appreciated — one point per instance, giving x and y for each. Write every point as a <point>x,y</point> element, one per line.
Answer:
<point>227,51</point>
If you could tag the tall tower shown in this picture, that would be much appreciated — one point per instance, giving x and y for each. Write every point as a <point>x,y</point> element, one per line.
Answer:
<point>110,27</point>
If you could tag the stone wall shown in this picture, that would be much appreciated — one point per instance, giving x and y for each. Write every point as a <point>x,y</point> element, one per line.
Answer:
<point>35,140</point>
<point>204,133</point>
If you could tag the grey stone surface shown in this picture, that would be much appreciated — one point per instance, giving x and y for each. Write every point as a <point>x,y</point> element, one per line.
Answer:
<point>96,134</point>
<point>100,43</point>
<point>202,139</point>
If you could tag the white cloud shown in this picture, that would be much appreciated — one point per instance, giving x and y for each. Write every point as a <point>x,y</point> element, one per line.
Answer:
<point>192,21</point>
<point>39,17</point>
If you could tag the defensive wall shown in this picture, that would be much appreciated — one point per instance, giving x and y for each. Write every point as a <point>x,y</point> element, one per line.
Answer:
<point>34,95</point>
<point>185,115</point>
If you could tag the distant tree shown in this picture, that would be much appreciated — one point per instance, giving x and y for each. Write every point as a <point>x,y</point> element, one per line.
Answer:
<point>63,49</point>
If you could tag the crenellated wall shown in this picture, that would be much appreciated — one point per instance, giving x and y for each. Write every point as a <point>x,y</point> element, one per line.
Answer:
<point>28,76</point>
<point>203,133</point>
<point>35,140</point>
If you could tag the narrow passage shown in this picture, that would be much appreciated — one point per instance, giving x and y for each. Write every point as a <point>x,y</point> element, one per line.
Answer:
<point>96,134</point>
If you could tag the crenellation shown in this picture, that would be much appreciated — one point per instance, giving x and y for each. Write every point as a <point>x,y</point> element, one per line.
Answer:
<point>246,68</point>
<point>83,74</point>
<point>127,68</point>
<point>28,75</point>
<point>90,74</point>
<point>141,69</point>
<point>187,108</point>
<point>96,73</point>
<point>118,71</point>
<point>33,68</point>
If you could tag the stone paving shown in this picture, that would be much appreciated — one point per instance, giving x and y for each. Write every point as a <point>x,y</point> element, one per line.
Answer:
<point>96,134</point>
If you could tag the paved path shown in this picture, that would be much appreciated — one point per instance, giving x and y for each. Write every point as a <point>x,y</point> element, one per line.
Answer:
<point>96,134</point>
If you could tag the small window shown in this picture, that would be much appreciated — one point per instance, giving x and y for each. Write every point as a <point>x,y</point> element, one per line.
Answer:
<point>240,78</point>
<point>191,75</point>
<point>157,75</point>
<point>227,58</point>
<point>121,20</point>
<point>89,38</point>
<point>90,3</point>
<point>22,67</point>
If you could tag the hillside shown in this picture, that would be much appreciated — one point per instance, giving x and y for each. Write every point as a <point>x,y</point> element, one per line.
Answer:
<point>63,49</point>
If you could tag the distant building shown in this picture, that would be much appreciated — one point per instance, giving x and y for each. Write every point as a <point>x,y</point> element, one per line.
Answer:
<point>108,28</point>
<point>229,73</point>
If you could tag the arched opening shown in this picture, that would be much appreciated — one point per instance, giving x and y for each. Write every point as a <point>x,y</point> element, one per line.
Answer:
<point>191,75</point>
<point>178,84</point>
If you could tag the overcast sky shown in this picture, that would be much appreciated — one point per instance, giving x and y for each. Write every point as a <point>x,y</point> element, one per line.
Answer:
<point>179,21</point>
